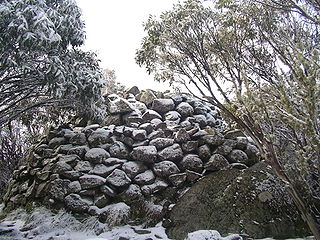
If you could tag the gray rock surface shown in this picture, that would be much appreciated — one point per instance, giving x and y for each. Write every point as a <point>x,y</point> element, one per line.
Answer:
<point>118,178</point>
<point>172,153</point>
<point>145,154</point>
<point>165,168</point>
<point>163,105</point>
<point>91,181</point>
<point>228,201</point>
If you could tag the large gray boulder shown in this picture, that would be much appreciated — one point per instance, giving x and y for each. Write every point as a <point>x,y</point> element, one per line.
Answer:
<point>251,201</point>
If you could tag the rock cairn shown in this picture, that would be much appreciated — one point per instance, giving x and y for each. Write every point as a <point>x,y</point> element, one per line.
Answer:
<point>151,148</point>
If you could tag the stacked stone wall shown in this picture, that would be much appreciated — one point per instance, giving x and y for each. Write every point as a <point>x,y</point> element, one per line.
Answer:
<point>150,149</point>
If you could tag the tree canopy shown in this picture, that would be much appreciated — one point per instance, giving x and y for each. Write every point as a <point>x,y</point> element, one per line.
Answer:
<point>258,61</point>
<point>41,64</point>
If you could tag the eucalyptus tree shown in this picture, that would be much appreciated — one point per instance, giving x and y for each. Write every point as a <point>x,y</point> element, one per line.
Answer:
<point>258,62</point>
<point>40,63</point>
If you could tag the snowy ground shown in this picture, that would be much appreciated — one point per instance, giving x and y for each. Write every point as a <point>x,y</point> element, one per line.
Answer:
<point>42,224</point>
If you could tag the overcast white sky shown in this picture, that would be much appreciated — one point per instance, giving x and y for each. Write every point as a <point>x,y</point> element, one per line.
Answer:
<point>114,30</point>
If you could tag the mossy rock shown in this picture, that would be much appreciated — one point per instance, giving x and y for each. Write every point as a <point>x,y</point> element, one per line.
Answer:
<point>251,201</point>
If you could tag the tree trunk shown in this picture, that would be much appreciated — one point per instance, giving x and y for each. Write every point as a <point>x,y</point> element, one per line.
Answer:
<point>293,192</point>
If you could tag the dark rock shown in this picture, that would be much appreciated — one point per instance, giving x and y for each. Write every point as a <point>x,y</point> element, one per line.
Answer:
<point>118,178</point>
<point>78,139</point>
<point>146,177</point>
<point>57,141</point>
<point>176,98</point>
<point>226,147</point>
<point>96,155</point>
<point>150,114</point>
<point>213,140</point>
<point>238,156</point>
<point>72,175</point>
<point>216,162</point>
<point>83,166</point>
<point>132,194</point>
<point>172,153</point>
<point>161,143</point>
<point>58,188</point>
<point>172,116</point>
<point>189,146</point>
<point>185,109</point>
<point>191,162</point>
<point>233,134</point>
<point>165,168</point>
<point>132,168</point>
<point>134,90</point>
<point>242,143</point>
<point>119,150</point>
<point>163,105</point>
<point>61,167</point>
<point>103,170</point>
<point>120,105</point>
<point>204,152</point>
<point>91,181</point>
<point>253,154</point>
<point>108,191</point>
<point>145,154</point>
<point>76,204</point>
<point>114,161</point>
<point>157,186</point>
<point>78,150</point>
<point>181,136</point>
<point>147,127</point>
<point>228,201</point>
<point>139,134</point>
<point>101,200</point>
<point>74,187</point>
<point>99,137</point>
<point>193,176</point>
<point>112,120</point>
<point>157,134</point>
<point>147,97</point>
<point>178,179</point>
<point>115,214</point>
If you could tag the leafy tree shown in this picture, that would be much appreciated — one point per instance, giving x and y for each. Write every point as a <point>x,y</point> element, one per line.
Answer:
<point>257,61</point>
<point>112,85</point>
<point>41,66</point>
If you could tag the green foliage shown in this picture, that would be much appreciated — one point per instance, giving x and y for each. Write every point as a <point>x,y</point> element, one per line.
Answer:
<point>40,64</point>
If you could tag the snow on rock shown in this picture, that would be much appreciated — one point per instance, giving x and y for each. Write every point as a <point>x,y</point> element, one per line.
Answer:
<point>115,214</point>
<point>204,235</point>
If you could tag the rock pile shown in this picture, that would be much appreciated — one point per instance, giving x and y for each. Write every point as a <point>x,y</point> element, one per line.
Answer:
<point>150,149</point>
